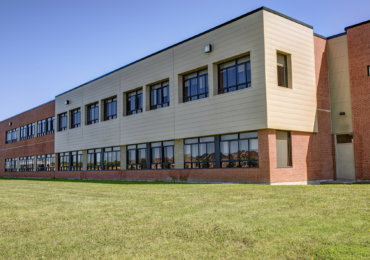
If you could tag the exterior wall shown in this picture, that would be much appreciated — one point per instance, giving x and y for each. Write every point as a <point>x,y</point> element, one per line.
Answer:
<point>30,147</point>
<point>339,85</point>
<point>212,115</point>
<point>358,39</point>
<point>290,108</point>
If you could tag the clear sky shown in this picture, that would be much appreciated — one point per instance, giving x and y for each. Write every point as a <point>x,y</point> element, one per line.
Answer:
<point>50,46</point>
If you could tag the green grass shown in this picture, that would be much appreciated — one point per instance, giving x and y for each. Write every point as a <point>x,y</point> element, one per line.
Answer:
<point>121,220</point>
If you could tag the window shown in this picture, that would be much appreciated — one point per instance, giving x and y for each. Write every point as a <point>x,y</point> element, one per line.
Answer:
<point>200,152</point>
<point>110,108</point>
<point>112,158</point>
<point>46,126</point>
<point>76,161</point>
<point>282,70</point>
<point>64,161</point>
<point>26,163</point>
<point>134,102</point>
<point>160,95</point>
<point>137,156</point>
<point>27,131</point>
<point>11,136</point>
<point>11,165</point>
<point>62,122</point>
<point>283,149</point>
<point>92,113</point>
<point>76,118</point>
<point>345,138</point>
<point>239,150</point>
<point>94,159</point>
<point>368,70</point>
<point>234,75</point>
<point>162,154</point>
<point>195,85</point>
<point>45,162</point>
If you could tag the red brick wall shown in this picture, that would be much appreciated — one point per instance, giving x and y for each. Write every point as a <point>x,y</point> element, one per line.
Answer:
<point>358,39</point>
<point>30,147</point>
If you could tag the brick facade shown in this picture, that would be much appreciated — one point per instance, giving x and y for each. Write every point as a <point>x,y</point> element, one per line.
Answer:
<point>358,39</point>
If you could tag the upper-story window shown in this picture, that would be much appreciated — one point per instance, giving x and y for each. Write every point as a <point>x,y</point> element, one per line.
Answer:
<point>62,118</point>
<point>45,126</point>
<point>195,85</point>
<point>110,108</point>
<point>92,113</point>
<point>159,95</point>
<point>76,118</point>
<point>282,70</point>
<point>234,75</point>
<point>134,102</point>
<point>11,136</point>
<point>27,131</point>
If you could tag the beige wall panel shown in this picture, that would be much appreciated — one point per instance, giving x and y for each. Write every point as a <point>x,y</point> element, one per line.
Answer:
<point>339,84</point>
<point>232,112</point>
<point>290,108</point>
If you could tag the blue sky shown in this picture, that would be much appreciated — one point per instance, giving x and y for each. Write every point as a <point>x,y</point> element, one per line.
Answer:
<point>50,46</point>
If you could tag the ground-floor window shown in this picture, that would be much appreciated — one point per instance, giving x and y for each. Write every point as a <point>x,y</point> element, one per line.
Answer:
<point>162,155</point>
<point>76,161</point>
<point>94,159</point>
<point>137,156</point>
<point>45,162</point>
<point>64,161</point>
<point>26,163</point>
<point>112,158</point>
<point>200,152</point>
<point>11,164</point>
<point>239,150</point>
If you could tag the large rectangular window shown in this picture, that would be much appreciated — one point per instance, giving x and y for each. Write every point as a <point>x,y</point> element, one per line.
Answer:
<point>162,154</point>
<point>200,152</point>
<point>45,126</point>
<point>76,161</point>
<point>64,161</point>
<point>76,118</point>
<point>283,149</point>
<point>94,161</point>
<point>159,95</point>
<point>11,136</point>
<point>112,158</point>
<point>239,150</point>
<point>92,113</point>
<point>62,118</point>
<point>134,102</point>
<point>27,131</point>
<point>195,85</point>
<point>137,156</point>
<point>110,108</point>
<point>45,162</point>
<point>11,165</point>
<point>282,70</point>
<point>26,164</point>
<point>234,75</point>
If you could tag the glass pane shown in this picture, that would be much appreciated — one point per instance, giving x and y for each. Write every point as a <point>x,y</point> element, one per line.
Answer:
<point>229,137</point>
<point>223,79</point>
<point>227,64</point>
<point>132,157</point>
<point>243,149</point>
<point>243,59</point>
<point>224,149</point>
<point>187,153</point>
<point>249,73</point>
<point>141,146</point>
<point>211,152</point>
<point>194,152</point>
<point>248,135</point>
<point>191,141</point>
<point>234,150</point>
<point>207,139</point>
<point>158,144</point>
<point>203,152</point>
<point>156,155</point>
<point>241,74</point>
<point>231,77</point>
<point>194,87</point>
<point>168,154</point>
<point>168,143</point>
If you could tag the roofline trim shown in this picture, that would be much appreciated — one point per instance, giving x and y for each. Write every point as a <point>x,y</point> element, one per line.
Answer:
<point>336,35</point>
<point>357,24</point>
<point>27,110</point>
<point>188,39</point>
<point>320,36</point>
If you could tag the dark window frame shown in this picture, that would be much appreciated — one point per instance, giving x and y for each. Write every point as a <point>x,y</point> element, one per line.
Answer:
<point>62,121</point>
<point>159,93</point>
<point>76,162</point>
<point>162,164</point>
<point>198,163</point>
<point>75,116</point>
<point>11,164</point>
<point>27,131</point>
<point>11,136</point>
<point>238,85</point>
<point>92,110</point>
<point>110,108</point>
<point>94,159</point>
<point>138,99</point>
<point>137,148</point>
<point>188,90</point>
<point>45,126</point>
<point>110,165</point>
<point>64,165</point>
<point>285,72</point>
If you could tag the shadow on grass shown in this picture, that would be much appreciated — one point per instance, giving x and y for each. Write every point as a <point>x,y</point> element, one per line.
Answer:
<point>100,181</point>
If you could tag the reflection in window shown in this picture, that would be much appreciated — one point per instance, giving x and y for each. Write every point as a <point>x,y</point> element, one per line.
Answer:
<point>234,75</point>
<point>134,102</point>
<point>195,85</point>
<point>162,155</point>
<point>136,157</point>
<point>75,118</point>
<point>62,122</point>
<point>76,161</point>
<point>112,158</point>
<point>200,152</point>
<point>160,95</point>
<point>110,108</point>
<point>94,159</point>
<point>92,113</point>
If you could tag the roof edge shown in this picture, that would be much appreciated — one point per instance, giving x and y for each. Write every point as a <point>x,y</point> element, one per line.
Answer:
<point>320,36</point>
<point>357,24</point>
<point>336,35</point>
<point>188,39</point>
<point>43,104</point>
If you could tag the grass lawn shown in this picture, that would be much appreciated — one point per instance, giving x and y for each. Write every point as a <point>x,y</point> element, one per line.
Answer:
<point>73,219</point>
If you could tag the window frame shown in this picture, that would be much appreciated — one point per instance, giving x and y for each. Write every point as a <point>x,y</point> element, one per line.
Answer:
<point>75,117</point>
<point>138,165</point>
<point>95,108</point>
<point>237,86</point>
<point>62,117</point>
<point>109,105</point>
<point>285,68</point>
<point>111,165</point>
<point>198,163</point>
<point>162,85</point>
<point>198,76</point>
<point>138,97</point>
<point>162,145</point>
<point>94,159</point>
